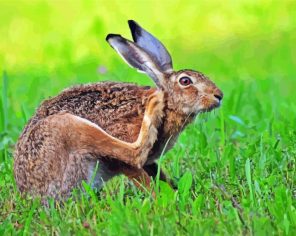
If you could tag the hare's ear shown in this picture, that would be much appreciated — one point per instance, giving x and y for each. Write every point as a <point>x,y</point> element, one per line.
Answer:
<point>136,57</point>
<point>152,46</point>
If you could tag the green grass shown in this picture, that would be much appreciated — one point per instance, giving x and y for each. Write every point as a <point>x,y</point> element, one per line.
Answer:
<point>235,167</point>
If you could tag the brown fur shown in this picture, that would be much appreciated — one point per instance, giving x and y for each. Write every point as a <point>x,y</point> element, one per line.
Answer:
<point>51,156</point>
<point>39,168</point>
<point>121,127</point>
<point>115,107</point>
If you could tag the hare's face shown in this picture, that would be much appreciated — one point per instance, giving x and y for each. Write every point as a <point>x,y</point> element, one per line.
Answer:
<point>189,91</point>
<point>192,92</point>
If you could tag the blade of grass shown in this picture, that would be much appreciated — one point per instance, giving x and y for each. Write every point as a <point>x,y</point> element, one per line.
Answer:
<point>30,217</point>
<point>249,179</point>
<point>222,128</point>
<point>25,113</point>
<point>4,101</point>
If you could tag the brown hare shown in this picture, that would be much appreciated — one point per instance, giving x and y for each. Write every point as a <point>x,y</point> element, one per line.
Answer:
<point>96,131</point>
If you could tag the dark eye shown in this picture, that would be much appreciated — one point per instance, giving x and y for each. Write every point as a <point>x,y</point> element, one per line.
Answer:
<point>185,81</point>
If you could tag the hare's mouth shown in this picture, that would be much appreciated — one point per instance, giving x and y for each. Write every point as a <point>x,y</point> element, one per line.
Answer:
<point>214,105</point>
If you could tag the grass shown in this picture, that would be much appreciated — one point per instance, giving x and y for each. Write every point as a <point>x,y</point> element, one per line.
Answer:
<point>234,168</point>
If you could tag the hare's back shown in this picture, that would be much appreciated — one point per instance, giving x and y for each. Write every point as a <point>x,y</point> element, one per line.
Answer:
<point>118,108</point>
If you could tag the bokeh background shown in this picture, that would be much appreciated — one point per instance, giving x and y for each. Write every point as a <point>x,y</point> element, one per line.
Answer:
<point>246,148</point>
<point>48,45</point>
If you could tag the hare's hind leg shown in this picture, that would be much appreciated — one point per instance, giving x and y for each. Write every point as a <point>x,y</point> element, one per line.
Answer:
<point>86,137</point>
<point>41,160</point>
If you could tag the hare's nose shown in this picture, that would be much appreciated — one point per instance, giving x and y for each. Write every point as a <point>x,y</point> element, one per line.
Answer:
<point>218,94</point>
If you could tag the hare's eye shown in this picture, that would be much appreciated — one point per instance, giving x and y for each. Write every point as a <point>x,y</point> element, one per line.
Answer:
<point>185,81</point>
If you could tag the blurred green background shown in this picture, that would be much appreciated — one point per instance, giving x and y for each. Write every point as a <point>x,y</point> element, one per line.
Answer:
<point>243,151</point>
<point>48,45</point>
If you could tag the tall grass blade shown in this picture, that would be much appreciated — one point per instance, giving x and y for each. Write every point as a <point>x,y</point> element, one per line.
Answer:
<point>249,179</point>
<point>4,101</point>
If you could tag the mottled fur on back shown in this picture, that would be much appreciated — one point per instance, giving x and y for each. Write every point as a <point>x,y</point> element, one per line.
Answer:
<point>116,107</point>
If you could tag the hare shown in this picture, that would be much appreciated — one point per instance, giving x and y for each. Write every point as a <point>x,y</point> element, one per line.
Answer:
<point>96,131</point>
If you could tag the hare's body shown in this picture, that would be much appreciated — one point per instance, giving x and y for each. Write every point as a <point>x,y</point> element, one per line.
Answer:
<point>94,132</point>
<point>103,104</point>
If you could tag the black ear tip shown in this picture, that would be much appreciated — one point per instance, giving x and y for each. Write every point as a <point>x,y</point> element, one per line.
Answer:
<point>133,26</point>
<point>116,38</point>
<point>135,29</point>
<point>132,23</point>
<point>109,36</point>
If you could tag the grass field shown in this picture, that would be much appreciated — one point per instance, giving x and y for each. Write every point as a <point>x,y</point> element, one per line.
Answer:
<point>235,167</point>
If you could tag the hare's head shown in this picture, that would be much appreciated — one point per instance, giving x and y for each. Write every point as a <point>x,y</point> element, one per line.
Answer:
<point>188,91</point>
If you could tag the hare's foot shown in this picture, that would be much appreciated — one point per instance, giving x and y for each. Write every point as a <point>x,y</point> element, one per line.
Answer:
<point>140,178</point>
<point>148,133</point>
<point>152,170</point>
